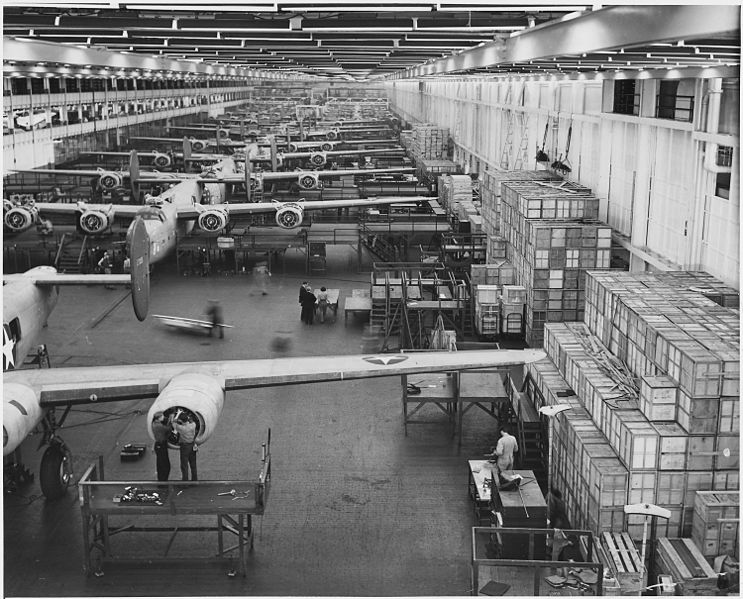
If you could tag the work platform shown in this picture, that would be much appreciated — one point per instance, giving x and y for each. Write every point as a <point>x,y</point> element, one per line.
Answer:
<point>177,507</point>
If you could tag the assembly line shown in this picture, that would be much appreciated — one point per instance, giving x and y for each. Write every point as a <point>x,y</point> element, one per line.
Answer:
<point>371,301</point>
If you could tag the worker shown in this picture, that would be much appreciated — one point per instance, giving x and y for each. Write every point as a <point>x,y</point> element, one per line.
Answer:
<point>262,274</point>
<point>557,514</point>
<point>322,302</point>
<point>186,429</point>
<point>214,311</point>
<point>504,450</point>
<point>161,430</point>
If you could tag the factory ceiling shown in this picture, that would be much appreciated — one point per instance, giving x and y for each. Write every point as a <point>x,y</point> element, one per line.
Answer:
<point>360,40</point>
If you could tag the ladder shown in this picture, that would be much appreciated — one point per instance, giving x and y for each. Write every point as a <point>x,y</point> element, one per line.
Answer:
<point>505,157</point>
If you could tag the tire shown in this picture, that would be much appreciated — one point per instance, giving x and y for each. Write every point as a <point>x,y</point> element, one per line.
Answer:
<point>52,475</point>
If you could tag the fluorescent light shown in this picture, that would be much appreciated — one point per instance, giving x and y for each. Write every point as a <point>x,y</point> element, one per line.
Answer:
<point>334,8</point>
<point>203,7</point>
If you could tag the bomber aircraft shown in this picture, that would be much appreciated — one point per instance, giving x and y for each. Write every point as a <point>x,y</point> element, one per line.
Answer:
<point>28,300</point>
<point>194,200</point>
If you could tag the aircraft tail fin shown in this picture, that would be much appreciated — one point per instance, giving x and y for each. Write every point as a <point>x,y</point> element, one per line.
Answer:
<point>139,256</point>
<point>186,151</point>
<point>134,175</point>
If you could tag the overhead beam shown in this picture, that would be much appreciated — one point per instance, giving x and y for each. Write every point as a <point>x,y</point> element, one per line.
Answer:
<point>24,51</point>
<point>604,29</point>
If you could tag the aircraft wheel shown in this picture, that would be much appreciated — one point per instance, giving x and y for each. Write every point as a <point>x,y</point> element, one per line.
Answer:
<point>53,474</point>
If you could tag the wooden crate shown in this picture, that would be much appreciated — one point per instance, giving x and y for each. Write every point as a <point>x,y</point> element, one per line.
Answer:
<point>682,560</point>
<point>658,398</point>
<point>715,525</point>
<point>624,561</point>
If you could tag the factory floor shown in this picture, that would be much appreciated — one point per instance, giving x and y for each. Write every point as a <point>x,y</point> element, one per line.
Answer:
<point>356,508</point>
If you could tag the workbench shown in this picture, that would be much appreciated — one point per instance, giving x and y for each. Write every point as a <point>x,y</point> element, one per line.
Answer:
<point>357,305</point>
<point>454,393</point>
<point>177,507</point>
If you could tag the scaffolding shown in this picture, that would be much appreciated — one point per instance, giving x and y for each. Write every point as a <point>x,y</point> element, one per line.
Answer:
<point>413,300</point>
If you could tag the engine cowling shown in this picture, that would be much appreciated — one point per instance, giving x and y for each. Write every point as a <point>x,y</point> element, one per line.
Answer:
<point>318,159</point>
<point>109,180</point>
<point>326,146</point>
<point>20,218</point>
<point>308,181</point>
<point>213,219</point>
<point>293,147</point>
<point>198,145</point>
<point>289,216</point>
<point>254,133</point>
<point>21,413</point>
<point>332,134</point>
<point>223,133</point>
<point>195,394</point>
<point>161,160</point>
<point>95,220</point>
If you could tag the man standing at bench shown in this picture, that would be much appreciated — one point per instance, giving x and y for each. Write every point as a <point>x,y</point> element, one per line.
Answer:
<point>186,429</point>
<point>504,450</point>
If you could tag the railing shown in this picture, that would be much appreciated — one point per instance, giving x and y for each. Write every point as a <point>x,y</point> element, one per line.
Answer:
<point>60,248</point>
<point>83,249</point>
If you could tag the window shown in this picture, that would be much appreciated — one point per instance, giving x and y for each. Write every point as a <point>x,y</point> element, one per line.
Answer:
<point>626,100</point>
<point>670,105</point>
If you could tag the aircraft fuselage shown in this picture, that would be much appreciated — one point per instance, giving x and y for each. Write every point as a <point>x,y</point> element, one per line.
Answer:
<point>26,308</point>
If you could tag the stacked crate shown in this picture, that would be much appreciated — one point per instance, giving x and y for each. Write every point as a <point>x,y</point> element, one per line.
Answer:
<point>553,238</point>
<point>496,249</point>
<point>430,142</point>
<point>490,192</point>
<point>456,195</point>
<point>716,525</point>
<point>487,310</point>
<point>664,408</point>
<point>585,468</point>
<point>500,272</point>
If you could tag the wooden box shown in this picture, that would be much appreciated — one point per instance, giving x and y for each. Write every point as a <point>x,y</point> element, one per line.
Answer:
<point>715,524</point>
<point>623,561</point>
<point>681,559</point>
<point>658,398</point>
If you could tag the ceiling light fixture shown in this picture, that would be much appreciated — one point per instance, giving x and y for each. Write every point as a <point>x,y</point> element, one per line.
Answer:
<point>56,20</point>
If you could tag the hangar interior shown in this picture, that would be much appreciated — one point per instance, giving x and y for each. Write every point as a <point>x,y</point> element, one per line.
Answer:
<point>457,177</point>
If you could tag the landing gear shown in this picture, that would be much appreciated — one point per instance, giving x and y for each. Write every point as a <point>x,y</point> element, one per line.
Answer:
<point>55,473</point>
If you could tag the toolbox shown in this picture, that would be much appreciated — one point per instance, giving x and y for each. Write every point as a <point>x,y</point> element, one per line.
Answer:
<point>131,452</point>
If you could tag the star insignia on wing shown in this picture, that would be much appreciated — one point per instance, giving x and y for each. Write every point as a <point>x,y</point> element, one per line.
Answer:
<point>386,360</point>
<point>8,345</point>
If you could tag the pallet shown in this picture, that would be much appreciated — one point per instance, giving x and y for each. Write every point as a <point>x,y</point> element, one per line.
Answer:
<point>681,559</point>
<point>624,562</point>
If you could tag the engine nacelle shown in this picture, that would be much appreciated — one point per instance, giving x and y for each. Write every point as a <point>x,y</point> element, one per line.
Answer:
<point>332,134</point>
<point>318,158</point>
<point>308,181</point>
<point>161,160</point>
<point>198,145</point>
<point>256,182</point>
<point>20,218</point>
<point>254,133</point>
<point>223,133</point>
<point>213,219</point>
<point>21,413</point>
<point>293,147</point>
<point>289,216</point>
<point>195,394</point>
<point>326,146</point>
<point>95,220</point>
<point>109,180</point>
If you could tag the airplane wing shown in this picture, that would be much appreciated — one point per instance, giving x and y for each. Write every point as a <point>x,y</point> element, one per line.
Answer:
<point>54,208</point>
<point>59,386</point>
<point>116,154</point>
<point>58,171</point>
<point>256,207</point>
<point>92,279</point>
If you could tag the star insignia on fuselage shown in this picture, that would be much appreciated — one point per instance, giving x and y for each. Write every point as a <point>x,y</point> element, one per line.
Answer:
<point>386,360</point>
<point>8,345</point>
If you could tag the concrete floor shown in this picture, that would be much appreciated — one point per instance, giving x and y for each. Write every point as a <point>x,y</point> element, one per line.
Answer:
<point>355,509</point>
